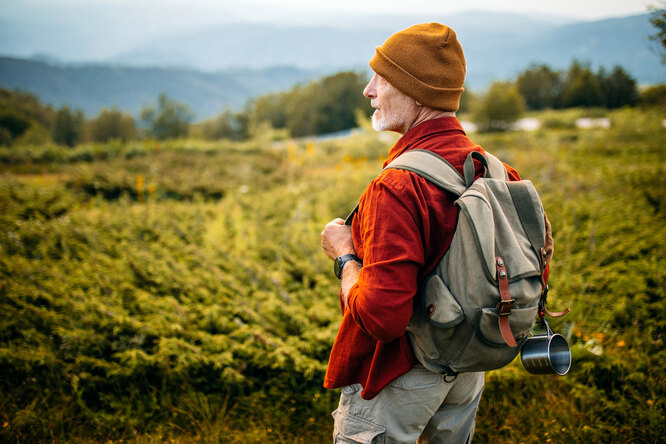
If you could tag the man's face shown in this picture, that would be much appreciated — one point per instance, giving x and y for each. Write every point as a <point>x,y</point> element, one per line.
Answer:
<point>394,110</point>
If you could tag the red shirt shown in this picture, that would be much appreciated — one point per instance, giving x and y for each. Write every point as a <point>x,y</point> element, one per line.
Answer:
<point>403,227</point>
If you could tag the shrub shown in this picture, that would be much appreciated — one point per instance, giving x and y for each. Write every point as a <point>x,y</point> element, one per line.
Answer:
<point>499,108</point>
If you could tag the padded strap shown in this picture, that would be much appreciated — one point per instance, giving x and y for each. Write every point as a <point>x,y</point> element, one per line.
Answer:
<point>431,167</point>
<point>439,171</point>
<point>522,200</point>
<point>496,169</point>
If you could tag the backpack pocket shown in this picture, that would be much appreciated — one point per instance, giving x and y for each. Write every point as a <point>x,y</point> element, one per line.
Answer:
<point>521,321</point>
<point>433,323</point>
<point>440,307</point>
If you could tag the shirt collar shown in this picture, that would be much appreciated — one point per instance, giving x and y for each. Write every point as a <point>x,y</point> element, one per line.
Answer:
<point>423,129</point>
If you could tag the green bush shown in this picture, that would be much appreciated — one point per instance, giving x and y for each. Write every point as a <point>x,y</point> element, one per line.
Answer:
<point>194,304</point>
<point>499,108</point>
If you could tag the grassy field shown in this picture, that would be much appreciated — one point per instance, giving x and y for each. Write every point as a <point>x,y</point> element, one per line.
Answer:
<point>176,291</point>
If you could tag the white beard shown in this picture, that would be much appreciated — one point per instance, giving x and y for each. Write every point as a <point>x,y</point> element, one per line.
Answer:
<point>384,123</point>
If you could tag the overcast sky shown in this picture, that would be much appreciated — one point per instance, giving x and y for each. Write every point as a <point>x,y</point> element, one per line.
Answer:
<point>97,29</point>
<point>186,12</point>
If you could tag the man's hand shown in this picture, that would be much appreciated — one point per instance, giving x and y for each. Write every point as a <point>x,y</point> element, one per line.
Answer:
<point>336,239</point>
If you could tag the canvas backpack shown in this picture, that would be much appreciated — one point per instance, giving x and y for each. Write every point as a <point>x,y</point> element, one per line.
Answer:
<point>477,308</point>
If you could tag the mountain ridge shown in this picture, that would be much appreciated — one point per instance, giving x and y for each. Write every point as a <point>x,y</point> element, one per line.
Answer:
<point>96,86</point>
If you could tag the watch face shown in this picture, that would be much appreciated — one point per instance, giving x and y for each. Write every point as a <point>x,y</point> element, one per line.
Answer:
<point>337,269</point>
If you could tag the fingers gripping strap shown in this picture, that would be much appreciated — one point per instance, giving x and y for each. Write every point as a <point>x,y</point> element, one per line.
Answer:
<point>431,167</point>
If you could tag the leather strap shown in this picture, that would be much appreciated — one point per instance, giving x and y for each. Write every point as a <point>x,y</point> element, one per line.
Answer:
<point>544,295</point>
<point>505,304</point>
<point>542,306</point>
<point>350,218</point>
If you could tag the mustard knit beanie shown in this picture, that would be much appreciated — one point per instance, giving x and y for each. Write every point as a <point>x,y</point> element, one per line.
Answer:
<point>426,62</point>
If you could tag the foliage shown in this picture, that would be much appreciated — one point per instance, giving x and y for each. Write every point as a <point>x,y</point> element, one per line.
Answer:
<point>113,124</point>
<point>68,127</point>
<point>322,106</point>
<point>175,291</point>
<point>501,106</point>
<point>581,88</point>
<point>12,126</point>
<point>228,125</point>
<point>22,116</point>
<point>658,20</point>
<point>467,101</point>
<point>654,96</point>
<point>544,88</point>
<point>618,89</point>
<point>169,120</point>
<point>539,86</point>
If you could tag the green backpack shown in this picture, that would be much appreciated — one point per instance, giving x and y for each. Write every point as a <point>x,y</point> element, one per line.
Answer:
<point>475,311</point>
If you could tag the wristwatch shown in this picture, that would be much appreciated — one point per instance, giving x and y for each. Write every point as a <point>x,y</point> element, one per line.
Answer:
<point>340,262</point>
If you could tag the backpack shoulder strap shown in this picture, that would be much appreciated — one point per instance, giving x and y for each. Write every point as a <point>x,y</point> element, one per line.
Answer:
<point>495,168</point>
<point>431,167</point>
<point>439,171</point>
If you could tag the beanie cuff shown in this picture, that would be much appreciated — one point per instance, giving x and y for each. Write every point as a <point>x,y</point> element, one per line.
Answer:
<point>446,99</point>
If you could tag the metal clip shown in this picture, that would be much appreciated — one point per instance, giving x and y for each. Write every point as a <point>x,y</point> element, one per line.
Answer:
<point>504,307</point>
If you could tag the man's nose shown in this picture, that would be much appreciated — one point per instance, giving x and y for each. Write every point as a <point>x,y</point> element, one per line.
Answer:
<point>369,90</point>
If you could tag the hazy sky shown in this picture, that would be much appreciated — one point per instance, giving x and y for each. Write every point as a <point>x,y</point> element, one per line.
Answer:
<point>210,11</point>
<point>587,9</point>
<point>96,29</point>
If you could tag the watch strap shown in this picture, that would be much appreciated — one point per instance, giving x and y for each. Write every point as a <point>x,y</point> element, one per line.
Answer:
<point>340,262</point>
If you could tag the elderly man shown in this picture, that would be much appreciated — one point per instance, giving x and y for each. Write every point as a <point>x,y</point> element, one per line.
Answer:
<point>402,229</point>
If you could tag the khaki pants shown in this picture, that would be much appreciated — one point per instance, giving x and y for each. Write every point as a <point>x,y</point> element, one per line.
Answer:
<point>419,406</point>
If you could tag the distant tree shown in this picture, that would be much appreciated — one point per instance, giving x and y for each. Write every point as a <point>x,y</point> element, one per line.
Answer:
<point>501,106</point>
<point>269,108</point>
<point>23,116</point>
<point>113,124</point>
<point>322,106</point>
<point>581,88</point>
<point>540,86</point>
<point>26,106</point>
<point>618,89</point>
<point>227,125</point>
<point>301,109</point>
<point>169,120</point>
<point>658,20</point>
<point>654,96</point>
<point>467,101</point>
<point>12,125</point>
<point>68,127</point>
<point>337,100</point>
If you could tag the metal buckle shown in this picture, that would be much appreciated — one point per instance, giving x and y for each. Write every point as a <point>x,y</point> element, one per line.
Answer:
<point>504,307</point>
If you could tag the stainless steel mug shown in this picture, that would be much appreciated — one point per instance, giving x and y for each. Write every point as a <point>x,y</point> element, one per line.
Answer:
<point>546,354</point>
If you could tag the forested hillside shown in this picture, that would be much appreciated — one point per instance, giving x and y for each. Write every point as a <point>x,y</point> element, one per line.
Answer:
<point>94,87</point>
